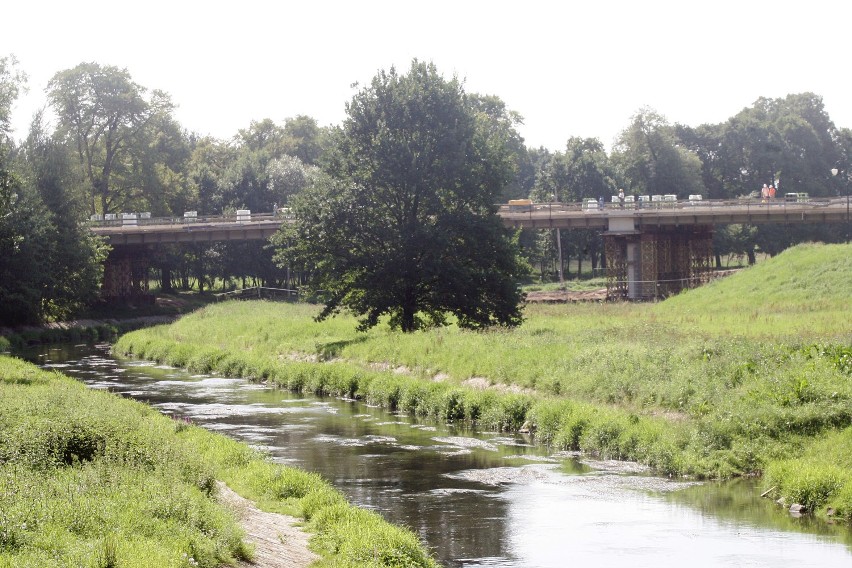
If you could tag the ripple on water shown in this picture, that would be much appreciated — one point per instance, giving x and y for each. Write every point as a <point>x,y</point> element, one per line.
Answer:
<point>355,442</point>
<point>487,562</point>
<point>452,452</point>
<point>447,491</point>
<point>532,458</point>
<point>213,411</point>
<point>504,475</point>
<point>216,380</point>
<point>466,443</point>
<point>593,485</point>
<point>503,441</point>
<point>223,427</point>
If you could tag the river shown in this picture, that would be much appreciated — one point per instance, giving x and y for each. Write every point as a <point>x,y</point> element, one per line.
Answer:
<point>479,498</point>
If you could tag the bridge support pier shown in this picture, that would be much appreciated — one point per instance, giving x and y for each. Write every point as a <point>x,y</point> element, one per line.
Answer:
<point>126,274</point>
<point>656,262</point>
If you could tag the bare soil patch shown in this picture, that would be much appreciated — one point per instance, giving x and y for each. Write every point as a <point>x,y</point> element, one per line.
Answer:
<point>278,542</point>
<point>566,296</point>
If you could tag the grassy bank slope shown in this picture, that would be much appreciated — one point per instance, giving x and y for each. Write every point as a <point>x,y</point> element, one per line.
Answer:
<point>91,479</point>
<point>803,294</point>
<point>695,385</point>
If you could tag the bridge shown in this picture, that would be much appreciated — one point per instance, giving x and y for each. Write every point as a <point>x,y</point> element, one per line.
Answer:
<point>652,248</point>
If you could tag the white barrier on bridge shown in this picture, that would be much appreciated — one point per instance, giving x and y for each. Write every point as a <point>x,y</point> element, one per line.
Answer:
<point>243,215</point>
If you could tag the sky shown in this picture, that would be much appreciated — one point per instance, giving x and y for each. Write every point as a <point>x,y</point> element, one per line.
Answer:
<point>570,68</point>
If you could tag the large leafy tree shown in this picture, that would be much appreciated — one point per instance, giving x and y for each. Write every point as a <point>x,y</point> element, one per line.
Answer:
<point>405,225</point>
<point>50,264</point>
<point>651,159</point>
<point>75,255</point>
<point>105,117</point>
<point>304,139</point>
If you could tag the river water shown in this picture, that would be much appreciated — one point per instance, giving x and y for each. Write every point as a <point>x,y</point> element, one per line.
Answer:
<point>479,498</point>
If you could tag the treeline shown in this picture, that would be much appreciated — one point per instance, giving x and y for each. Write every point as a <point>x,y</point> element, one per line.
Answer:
<point>116,147</point>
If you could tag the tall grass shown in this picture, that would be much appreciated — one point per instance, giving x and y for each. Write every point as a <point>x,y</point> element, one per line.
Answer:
<point>90,479</point>
<point>719,381</point>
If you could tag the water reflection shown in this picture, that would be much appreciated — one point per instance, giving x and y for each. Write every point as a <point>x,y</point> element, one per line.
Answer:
<point>479,498</point>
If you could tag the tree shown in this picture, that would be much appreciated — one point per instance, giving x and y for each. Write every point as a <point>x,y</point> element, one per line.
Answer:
<point>288,176</point>
<point>12,81</point>
<point>405,224</point>
<point>103,114</point>
<point>652,161</point>
<point>75,256</point>
<point>304,139</point>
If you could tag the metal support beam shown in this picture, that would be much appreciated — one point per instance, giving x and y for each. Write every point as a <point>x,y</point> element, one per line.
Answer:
<point>126,274</point>
<point>657,262</point>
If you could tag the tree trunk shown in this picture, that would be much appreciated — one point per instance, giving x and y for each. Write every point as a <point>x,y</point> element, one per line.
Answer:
<point>166,279</point>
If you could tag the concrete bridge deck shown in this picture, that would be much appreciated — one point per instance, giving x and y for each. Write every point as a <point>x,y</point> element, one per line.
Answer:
<point>709,212</point>
<point>538,216</point>
<point>653,249</point>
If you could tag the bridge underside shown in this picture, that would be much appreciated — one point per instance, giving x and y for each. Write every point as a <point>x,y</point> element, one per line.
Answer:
<point>654,263</point>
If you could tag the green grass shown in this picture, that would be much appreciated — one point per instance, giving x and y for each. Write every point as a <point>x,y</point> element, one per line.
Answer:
<point>800,295</point>
<point>720,381</point>
<point>90,479</point>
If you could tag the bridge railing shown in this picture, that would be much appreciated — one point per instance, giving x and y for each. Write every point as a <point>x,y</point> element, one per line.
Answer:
<point>597,207</point>
<point>141,219</point>
<point>532,209</point>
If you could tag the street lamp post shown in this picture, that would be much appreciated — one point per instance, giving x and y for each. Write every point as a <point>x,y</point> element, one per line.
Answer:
<point>834,172</point>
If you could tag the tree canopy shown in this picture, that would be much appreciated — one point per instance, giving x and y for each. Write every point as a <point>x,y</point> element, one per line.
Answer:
<point>401,195</point>
<point>104,115</point>
<point>404,223</point>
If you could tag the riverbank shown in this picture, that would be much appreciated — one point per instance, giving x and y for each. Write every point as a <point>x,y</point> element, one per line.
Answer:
<point>747,376</point>
<point>105,322</point>
<point>89,478</point>
<point>75,330</point>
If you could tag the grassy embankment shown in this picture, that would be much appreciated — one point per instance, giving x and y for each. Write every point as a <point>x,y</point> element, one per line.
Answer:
<point>90,479</point>
<point>748,375</point>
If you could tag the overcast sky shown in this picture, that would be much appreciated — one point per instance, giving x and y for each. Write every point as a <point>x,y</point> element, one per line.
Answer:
<point>569,68</point>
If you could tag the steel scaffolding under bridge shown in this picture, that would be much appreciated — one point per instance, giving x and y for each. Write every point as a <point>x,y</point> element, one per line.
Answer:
<point>652,249</point>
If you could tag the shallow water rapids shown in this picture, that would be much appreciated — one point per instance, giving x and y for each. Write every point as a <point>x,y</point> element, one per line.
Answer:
<point>479,498</point>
